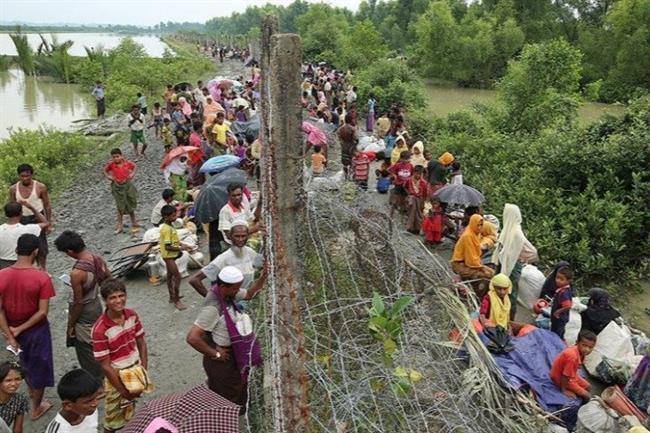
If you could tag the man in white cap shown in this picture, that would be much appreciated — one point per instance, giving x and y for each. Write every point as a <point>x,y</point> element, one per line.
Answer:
<point>238,255</point>
<point>219,364</point>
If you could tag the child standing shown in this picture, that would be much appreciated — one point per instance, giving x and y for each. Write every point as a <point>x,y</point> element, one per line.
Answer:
<point>120,172</point>
<point>433,223</point>
<point>417,189</point>
<point>157,113</point>
<point>118,344</point>
<point>456,175</point>
<point>564,372</point>
<point>360,169</point>
<point>318,161</point>
<point>167,134</point>
<point>170,250</point>
<point>78,391</point>
<point>562,300</point>
<point>401,172</point>
<point>13,404</point>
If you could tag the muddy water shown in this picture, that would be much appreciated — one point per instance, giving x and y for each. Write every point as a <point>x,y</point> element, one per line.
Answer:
<point>152,44</point>
<point>444,99</point>
<point>28,102</point>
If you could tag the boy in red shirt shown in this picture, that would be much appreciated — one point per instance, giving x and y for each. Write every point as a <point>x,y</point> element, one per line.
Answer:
<point>564,372</point>
<point>120,172</point>
<point>360,169</point>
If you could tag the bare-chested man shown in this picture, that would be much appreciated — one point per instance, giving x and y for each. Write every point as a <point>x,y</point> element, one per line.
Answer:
<point>35,193</point>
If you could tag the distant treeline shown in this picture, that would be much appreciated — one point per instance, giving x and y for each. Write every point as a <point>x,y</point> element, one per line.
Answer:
<point>161,27</point>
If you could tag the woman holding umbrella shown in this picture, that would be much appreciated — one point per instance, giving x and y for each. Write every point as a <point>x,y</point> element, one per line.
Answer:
<point>175,167</point>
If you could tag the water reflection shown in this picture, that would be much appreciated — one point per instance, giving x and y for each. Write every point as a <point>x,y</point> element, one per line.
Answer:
<point>29,102</point>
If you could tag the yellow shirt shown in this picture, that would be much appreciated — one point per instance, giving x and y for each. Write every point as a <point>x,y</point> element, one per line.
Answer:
<point>219,132</point>
<point>168,237</point>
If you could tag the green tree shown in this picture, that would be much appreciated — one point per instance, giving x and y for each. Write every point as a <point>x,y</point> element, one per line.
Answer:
<point>437,41</point>
<point>361,46</point>
<point>540,89</point>
<point>321,29</point>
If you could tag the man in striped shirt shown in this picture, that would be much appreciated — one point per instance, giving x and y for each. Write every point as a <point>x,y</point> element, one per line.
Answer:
<point>118,343</point>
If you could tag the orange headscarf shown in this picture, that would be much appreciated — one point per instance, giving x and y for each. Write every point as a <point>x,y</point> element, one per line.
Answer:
<point>446,158</point>
<point>468,247</point>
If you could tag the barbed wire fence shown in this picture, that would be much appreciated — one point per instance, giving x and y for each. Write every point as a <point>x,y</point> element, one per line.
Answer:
<point>338,359</point>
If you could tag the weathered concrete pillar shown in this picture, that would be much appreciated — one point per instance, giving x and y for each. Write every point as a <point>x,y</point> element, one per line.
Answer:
<point>284,216</point>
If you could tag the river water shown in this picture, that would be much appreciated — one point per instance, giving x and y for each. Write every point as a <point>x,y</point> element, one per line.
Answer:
<point>28,102</point>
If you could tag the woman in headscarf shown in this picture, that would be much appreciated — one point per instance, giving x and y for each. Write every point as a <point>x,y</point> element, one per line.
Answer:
<point>466,260</point>
<point>599,311</point>
<point>186,108</point>
<point>437,171</point>
<point>549,287</point>
<point>400,146</point>
<point>495,307</point>
<point>417,155</point>
<point>512,250</point>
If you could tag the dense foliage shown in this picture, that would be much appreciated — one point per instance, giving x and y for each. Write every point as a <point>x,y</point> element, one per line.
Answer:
<point>472,42</point>
<point>53,154</point>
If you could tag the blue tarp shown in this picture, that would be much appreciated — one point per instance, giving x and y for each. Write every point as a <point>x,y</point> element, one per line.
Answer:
<point>529,366</point>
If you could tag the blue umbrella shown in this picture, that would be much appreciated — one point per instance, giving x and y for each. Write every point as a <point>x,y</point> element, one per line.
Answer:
<point>219,163</point>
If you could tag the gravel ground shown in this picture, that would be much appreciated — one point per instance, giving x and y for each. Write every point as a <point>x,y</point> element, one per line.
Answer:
<point>88,207</point>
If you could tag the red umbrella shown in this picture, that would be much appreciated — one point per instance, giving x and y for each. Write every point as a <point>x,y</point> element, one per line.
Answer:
<point>198,410</point>
<point>193,154</point>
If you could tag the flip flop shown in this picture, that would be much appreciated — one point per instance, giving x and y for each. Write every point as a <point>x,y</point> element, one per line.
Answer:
<point>47,405</point>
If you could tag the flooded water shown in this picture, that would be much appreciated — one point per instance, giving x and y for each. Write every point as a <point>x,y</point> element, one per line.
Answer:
<point>28,102</point>
<point>446,99</point>
<point>152,44</point>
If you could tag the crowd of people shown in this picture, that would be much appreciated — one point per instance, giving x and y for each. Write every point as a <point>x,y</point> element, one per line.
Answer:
<point>108,337</point>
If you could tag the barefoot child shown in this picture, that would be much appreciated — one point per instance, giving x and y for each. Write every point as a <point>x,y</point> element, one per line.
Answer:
<point>318,160</point>
<point>433,223</point>
<point>79,392</point>
<point>360,169</point>
<point>157,113</point>
<point>170,250</point>
<point>564,372</point>
<point>120,172</point>
<point>417,189</point>
<point>562,300</point>
<point>13,404</point>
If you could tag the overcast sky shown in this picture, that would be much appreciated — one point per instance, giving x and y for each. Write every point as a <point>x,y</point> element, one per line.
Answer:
<point>137,12</point>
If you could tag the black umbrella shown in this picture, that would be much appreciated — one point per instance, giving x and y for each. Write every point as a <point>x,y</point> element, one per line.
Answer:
<point>459,194</point>
<point>242,129</point>
<point>214,194</point>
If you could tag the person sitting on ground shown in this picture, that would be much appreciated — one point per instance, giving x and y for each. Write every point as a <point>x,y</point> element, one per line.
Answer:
<point>417,155</point>
<point>466,260</point>
<point>167,199</point>
<point>417,188</point>
<point>318,161</point>
<point>238,255</point>
<point>495,307</point>
<point>170,250</point>
<point>360,169</point>
<point>13,404</point>
<point>562,301</point>
<point>79,392</point>
<point>13,229</point>
<point>564,371</point>
<point>401,172</point>
<point>383,175</point>
<point>599,311</point>
<point>219,363</point>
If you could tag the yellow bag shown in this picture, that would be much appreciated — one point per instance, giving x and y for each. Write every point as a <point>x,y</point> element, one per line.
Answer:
<point>136,379</point>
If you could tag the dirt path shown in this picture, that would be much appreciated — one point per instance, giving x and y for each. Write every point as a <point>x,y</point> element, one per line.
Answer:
<point>88,208</point>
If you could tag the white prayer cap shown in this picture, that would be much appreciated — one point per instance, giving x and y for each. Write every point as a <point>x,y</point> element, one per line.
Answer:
<point>231,275</point>
<point>239,222</point>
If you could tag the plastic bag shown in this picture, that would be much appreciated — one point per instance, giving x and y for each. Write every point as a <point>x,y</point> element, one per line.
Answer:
<point>614,342</point>
<point>530,286</point>
<point>595,417</point>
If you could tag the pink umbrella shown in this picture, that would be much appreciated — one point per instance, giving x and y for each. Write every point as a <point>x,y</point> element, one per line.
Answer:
<point>315,136</point>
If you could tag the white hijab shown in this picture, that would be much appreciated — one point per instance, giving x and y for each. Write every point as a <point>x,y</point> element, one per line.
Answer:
<point>511,239</point>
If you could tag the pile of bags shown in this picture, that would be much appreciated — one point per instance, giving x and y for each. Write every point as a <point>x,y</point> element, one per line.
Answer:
<point>187,260</point>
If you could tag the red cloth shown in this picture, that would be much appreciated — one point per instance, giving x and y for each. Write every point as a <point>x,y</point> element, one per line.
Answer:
<point>116,342</point>
<point>432,227</point>
<point>21,291</point>
<point>567,365</point>
<point>120,172</point>
<point>361,165</point>
<point>402,170</point>
<point>422,190</point>
<point>195,139</point>
<point>485,306</point>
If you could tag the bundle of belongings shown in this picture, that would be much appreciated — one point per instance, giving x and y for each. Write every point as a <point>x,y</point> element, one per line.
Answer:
<point>188,260</point>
